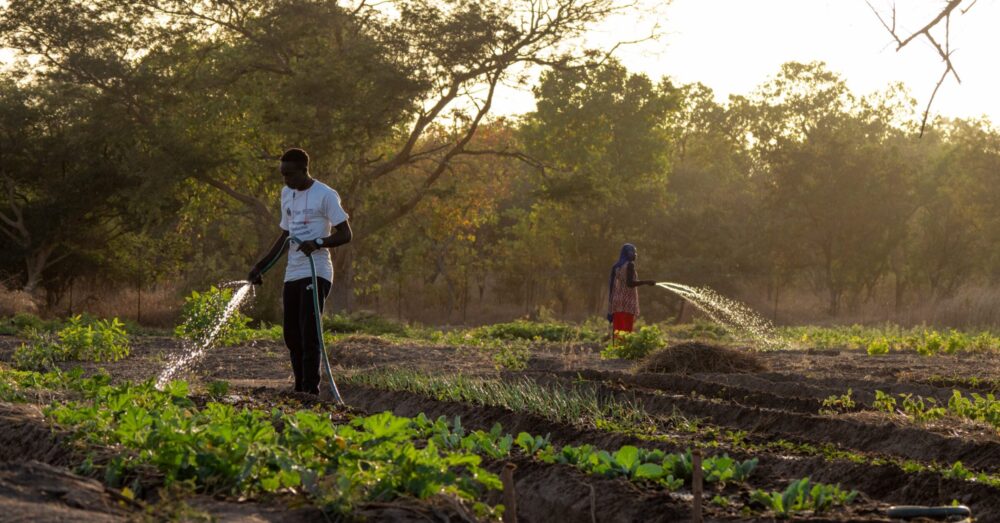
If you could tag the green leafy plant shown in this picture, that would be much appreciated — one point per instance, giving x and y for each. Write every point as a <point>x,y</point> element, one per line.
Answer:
<point>882,339</point>
<point>201,313</point>
<point>218,388</point>
<point>511,356</point>
<point>931,343</point>
<point>835,404</point>
<point>802,495</point>
<point>878,347</point>
<point>39,353</point>
<point>363,323</point>
<point>221,449</point>
<point>535,331</point>
<point>921,409</point>
<point>884,402</point>
<point>532,445</point>
<point>634,345</point>
<point>98,340</point>
<point>958,471</point>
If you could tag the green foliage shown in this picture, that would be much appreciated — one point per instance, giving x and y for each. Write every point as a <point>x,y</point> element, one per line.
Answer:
<point>835,404</point>
<point>226,450</point>
<point>958,471</point>
<point>203,311</point>
<point>882,340</point>
<point>23,323</point>
<point>363,323</point>
<point>220,449</point>
<point>802,495</point>
<point>79,340</point>
<point>39,353</point>
<point>921,409</point>
<point>101,340</point>
<point>535,331</point>
<point>218,388</point>
<point>634,345</point>
<point>976,407</point>
<point>511,356</point>
<point>884,402</point>
<point>879,346</point>
<point>574,405</point>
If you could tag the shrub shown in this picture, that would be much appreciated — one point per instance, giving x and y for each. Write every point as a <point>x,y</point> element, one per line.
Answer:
<point>634,345</point>
<point>364,323</point>
<point>97,340</point>
<point>39,353</point>
<point>102,340</point>
<point>931,343</point>
<point>879,346</point>
<point>203,310</point>
<point>530,330</point>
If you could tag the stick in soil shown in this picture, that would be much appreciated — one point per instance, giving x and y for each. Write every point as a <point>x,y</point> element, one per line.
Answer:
<point>696,485</point>
<point>509,495</point>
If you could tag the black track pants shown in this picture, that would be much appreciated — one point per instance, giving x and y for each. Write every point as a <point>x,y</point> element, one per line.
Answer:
<point>300,331</point>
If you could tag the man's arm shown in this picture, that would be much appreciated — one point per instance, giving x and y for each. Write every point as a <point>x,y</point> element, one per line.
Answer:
<point>276,250</point>
<point>342,234</point>
<point>631,278</point>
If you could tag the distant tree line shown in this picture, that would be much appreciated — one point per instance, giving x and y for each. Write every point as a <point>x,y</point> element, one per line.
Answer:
<point>138,144</point>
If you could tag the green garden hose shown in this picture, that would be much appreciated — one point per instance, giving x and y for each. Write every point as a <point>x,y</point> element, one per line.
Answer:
<point>319,313</point>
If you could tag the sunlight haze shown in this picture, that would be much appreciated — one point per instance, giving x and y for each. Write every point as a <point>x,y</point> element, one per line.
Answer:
<point>734,45</point>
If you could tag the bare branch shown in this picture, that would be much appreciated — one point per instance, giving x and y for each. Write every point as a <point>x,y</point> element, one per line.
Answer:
<point>944,51</point>
<point>249,201</point>
<point>444,163</point>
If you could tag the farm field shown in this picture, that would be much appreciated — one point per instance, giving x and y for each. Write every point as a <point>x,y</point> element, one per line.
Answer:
<point>887,427</point>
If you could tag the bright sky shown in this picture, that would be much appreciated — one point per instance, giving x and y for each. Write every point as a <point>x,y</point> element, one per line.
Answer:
<point>734,45</point>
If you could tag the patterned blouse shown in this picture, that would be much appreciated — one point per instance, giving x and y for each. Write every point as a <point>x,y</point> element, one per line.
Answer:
<point>623,297</point>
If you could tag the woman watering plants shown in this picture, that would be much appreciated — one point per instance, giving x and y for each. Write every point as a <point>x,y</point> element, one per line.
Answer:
<point>623,296</point>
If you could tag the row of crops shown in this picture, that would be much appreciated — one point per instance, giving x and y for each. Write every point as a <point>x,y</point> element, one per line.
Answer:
<point>127,432</point>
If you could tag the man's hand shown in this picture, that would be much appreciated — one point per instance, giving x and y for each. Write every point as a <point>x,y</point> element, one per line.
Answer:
<point>254,277</point>
<point>308,247</point>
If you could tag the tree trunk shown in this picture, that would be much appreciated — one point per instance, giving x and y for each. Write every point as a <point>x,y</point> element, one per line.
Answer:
<point>36,263</point>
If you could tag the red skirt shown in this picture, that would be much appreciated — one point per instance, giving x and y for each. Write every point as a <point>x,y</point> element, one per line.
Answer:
<point>622,321</point>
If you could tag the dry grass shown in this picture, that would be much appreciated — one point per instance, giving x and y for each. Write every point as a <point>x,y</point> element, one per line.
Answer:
<point>693,356</point>
<point>158,307</point>
<point>14,301</point>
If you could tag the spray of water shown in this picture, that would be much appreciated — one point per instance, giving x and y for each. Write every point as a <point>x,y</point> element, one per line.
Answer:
<point>727,312</point>
<point>195,350</point>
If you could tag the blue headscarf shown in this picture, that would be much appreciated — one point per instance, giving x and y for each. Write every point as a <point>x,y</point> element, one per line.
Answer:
<point>627,255</point>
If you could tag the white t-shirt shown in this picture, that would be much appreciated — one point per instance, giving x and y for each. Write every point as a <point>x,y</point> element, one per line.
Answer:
<point>308,215</point>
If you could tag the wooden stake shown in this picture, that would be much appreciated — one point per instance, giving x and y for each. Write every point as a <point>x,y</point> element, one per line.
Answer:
<point>696,485</point>
<point>509,495</point>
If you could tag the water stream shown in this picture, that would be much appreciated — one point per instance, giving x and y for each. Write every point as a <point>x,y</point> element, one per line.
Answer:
<point>193,351</point>
<point>735,316</point>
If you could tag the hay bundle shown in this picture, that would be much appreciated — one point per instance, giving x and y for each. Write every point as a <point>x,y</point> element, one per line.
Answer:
<point>693,356</point>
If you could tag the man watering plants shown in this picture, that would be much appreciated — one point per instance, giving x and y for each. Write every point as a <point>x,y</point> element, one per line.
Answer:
<point>623,295</point>
<point>310,212</point>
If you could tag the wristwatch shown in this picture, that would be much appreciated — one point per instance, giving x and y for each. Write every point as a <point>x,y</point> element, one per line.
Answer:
<point>319,241</point>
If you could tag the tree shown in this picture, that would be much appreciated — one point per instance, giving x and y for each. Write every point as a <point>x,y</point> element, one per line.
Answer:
<point>602,133</point>
<point>218,88</point>
<point>67,182</point>
<point>836,182</point>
